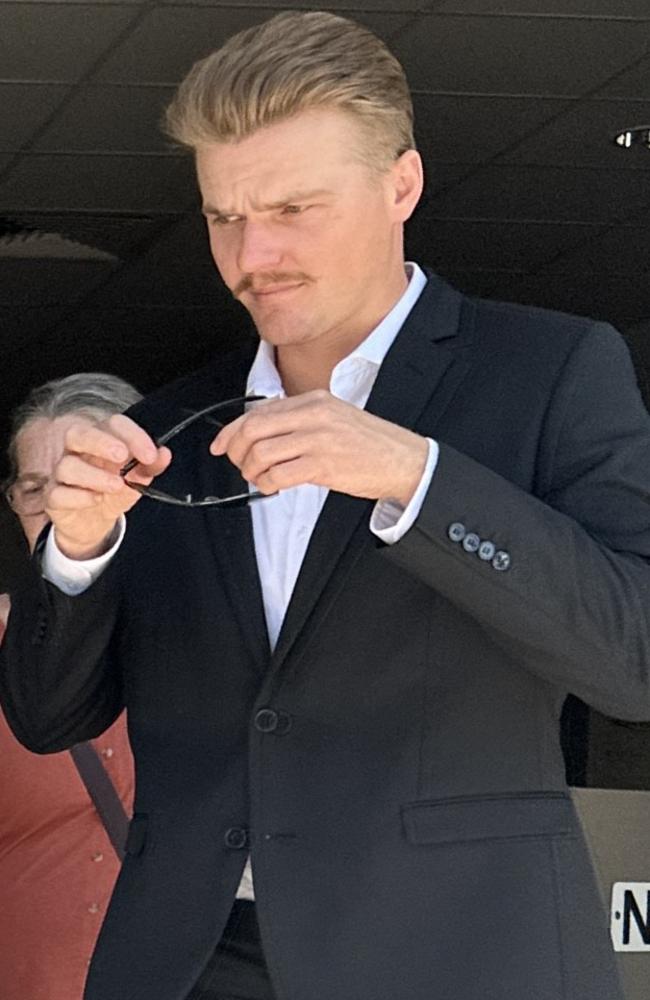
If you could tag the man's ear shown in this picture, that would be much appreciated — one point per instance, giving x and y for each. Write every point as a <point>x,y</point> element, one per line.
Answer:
<point>407,181</point>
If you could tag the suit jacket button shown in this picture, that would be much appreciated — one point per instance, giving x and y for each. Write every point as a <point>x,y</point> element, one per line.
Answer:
<point>501,561</point>
<point>456,531</point>
<point>266,720</point>
<point>486,551</point>
<point>285,721</point>
<point>236,838</point>
<point>471,542</point>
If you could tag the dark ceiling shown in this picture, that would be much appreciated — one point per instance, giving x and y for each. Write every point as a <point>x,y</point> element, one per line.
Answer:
<point>517,102</point>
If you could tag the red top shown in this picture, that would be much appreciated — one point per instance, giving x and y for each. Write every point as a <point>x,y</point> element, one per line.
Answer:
<point>57,865</point>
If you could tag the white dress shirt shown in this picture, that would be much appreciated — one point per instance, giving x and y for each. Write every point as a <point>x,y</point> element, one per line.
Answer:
<point>282,524</point>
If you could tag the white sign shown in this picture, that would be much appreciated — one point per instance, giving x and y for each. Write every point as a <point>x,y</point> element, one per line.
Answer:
<point>630,916</point>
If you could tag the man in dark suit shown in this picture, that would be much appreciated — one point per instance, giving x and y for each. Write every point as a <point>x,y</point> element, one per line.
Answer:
<point>353,683</point>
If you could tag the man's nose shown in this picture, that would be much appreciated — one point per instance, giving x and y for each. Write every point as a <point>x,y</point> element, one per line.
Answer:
<point>260,248</point>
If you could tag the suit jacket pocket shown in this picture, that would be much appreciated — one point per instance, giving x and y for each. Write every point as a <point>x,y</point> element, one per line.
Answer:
<point>489,817</point>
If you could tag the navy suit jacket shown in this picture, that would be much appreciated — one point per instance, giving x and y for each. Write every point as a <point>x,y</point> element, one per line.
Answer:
<point>393,767</point>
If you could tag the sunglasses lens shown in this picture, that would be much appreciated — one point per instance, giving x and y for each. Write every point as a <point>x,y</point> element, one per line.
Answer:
<point>194,431</point>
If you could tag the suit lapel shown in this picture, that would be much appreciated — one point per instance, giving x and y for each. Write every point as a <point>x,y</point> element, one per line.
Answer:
<point>423,353</point>
<point>230,531</point>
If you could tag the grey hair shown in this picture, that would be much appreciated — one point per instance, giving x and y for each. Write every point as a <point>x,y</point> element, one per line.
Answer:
<point>92,394</point>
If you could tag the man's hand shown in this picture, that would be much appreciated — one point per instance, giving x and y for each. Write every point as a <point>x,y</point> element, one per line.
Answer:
<point>88,495</point>
<point>317,438</point>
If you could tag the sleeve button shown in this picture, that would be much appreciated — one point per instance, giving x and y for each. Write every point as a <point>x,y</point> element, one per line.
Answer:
<point>486,551</point>
<point>456,531</point>
<point>471,542</point>
<point>501,561</point>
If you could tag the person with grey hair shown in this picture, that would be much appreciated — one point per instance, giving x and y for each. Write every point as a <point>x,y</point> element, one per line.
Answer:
<point>41,422</point>
<point>344,625</point>
<point>63,817</point>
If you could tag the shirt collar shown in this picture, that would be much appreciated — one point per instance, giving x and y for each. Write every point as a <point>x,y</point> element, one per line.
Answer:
<point>264,378</point>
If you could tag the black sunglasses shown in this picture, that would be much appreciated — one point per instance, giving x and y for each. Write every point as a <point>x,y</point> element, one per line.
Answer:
<point>239,500</point>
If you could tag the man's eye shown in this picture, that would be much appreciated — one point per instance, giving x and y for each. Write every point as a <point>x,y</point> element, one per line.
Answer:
<point>293,209</point>
<point>31,489</point>
<point>224,220</point>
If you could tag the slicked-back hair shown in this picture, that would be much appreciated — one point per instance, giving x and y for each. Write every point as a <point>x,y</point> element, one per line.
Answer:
<point>92,394</point>
<point>294,62</point>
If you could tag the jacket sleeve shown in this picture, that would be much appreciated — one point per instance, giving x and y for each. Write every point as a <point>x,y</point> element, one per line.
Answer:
<point>564,582</point>
<point>59,684</point>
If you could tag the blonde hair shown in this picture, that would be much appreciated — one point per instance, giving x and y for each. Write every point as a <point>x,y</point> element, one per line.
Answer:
<point>296,62</point>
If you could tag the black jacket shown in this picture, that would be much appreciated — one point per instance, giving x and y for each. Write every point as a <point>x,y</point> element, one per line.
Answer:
<point>402,793</point>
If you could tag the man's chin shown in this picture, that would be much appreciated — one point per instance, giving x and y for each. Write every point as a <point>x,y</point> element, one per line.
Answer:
<point>279,336</point>
<point>280,330</point>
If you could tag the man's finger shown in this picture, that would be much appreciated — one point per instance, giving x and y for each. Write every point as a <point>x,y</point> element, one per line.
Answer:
<point>283,476</point>
<point>273,417</point>
<point>273,420</point>
<point>62,498</point>
<point>117,440</point>
<point>269,452</point>
<point>221,443</point>
<point>144,473</point>
<point>74,471</point>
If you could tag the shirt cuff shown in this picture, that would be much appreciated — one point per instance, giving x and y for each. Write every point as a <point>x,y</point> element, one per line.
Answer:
<point>73,576</point>
<point>390,521</point>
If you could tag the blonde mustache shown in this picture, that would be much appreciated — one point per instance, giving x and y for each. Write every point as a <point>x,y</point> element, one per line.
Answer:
<point>267,280</point>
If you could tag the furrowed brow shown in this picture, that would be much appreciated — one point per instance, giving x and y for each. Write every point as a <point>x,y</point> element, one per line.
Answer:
<point>289,199</point>
<point>296,196</point>
<point>208,209</point>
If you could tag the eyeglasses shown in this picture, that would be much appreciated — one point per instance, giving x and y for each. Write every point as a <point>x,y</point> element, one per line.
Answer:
<point>238,500</point>
<point>26,495</point>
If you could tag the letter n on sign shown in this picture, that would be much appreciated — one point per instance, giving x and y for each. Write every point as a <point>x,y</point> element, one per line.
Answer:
<point>630,916</point>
